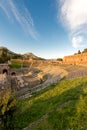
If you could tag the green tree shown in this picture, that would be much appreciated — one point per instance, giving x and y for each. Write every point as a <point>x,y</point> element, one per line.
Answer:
<point>79,52</point>
<point>84,51</point>
<point>3,56</point>
<point>7,109</point>
<point>60,59</point>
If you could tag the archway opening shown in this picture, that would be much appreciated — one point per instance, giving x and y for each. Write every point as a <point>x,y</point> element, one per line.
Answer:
<point>13,73</point>
<point>5,71</point>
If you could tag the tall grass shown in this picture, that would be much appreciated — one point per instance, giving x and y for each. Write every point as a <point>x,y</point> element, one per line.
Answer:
<point>65,105</point>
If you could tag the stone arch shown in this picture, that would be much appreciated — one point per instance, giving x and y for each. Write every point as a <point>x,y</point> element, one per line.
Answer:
<point>5,71</point>
<point>13,73</point>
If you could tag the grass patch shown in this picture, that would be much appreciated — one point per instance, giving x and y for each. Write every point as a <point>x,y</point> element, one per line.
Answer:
<point>65,104</point>
<point>16,65</point>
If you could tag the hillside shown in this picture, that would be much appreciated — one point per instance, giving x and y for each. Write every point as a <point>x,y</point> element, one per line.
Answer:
<point>62,106</point>
<point>6,51</point>
<point>30,55</point>
<point>6,54</point>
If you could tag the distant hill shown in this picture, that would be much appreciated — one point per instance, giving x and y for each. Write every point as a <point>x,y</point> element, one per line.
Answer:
<point>29,55</point>
<point>6,54</point>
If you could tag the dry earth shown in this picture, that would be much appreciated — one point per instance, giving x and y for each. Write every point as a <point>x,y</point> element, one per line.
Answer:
<point>40,77</point>
<point>44,75</point>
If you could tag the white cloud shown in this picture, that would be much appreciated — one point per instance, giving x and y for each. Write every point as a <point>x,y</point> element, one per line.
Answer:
<point>18,12</point>
<point>75,13</point>
<point>74,16</point>
<point>76,41</point>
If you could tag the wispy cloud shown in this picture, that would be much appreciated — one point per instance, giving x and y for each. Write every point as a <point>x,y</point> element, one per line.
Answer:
<point>74,17</point>
<point>76,41</point>
<point>18,11</point>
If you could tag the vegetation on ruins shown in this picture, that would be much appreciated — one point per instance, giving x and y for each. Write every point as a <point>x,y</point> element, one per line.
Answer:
<point>79,52</point>
<point>7,109</point>
<point>84,51</point>
<point>62,106</point>
<point>59,59</point>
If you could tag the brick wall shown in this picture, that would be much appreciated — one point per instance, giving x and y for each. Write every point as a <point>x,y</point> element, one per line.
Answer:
<point>79,59</point>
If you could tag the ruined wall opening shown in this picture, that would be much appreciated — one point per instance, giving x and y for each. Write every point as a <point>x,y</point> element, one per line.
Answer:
<point>5,71</point>
<point>13,74</point>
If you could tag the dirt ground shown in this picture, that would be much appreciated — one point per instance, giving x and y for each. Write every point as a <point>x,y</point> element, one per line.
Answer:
<point>44,75</point>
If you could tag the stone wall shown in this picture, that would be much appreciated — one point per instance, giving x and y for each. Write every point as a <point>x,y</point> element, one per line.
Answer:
<point>4,68</point>
<point>5,76</point>
<point>79,59</point>
<point>5,81</point>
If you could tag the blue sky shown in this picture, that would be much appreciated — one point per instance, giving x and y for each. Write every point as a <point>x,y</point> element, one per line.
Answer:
<point>47,28</point>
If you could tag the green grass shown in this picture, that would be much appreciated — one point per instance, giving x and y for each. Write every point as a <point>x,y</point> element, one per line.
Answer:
<point>16,65</point>
<point>65,103</point>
